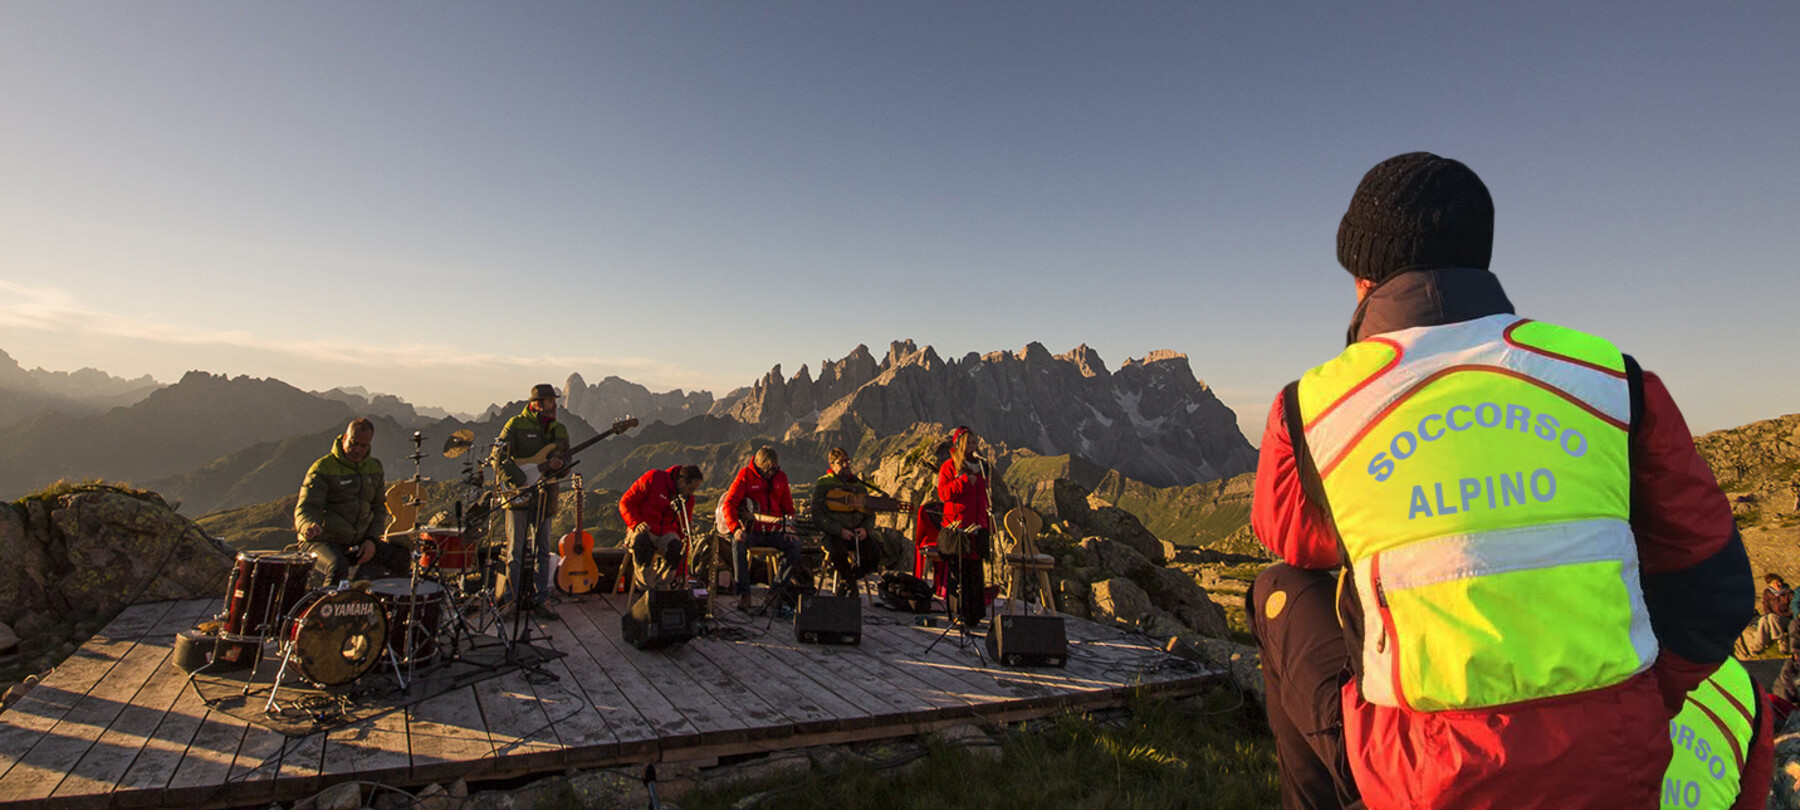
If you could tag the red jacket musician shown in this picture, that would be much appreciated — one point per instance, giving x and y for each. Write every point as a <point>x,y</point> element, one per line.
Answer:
<point>962,485</point>
<point>655,529</point>
<point>754,511</point>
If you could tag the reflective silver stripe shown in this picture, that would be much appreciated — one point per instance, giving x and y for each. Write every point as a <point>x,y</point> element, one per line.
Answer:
<point>1428,350</point>
<point>1461,556</point>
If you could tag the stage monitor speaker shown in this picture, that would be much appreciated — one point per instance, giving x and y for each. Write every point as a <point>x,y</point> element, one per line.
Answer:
<point>661,619</point>
<point>1028,641</point>
<point>828,620</point>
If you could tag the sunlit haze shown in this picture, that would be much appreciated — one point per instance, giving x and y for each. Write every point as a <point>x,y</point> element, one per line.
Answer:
<point>450,202</point>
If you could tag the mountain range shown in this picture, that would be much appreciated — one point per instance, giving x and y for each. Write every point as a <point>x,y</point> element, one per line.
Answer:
<point>213,442</point>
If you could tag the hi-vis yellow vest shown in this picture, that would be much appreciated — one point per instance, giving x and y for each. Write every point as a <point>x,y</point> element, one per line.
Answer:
<point>1479,477</point>
<point>1711,737</point>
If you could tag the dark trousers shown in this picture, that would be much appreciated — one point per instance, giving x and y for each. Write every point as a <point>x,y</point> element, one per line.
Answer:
<point>336,563</point>
<point>966,593</point>
<point>1305,663</point>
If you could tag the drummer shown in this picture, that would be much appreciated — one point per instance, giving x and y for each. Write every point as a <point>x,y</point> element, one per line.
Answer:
<point>342,510</point>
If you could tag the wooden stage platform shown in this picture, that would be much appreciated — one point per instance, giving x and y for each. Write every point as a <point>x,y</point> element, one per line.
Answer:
<point>116,725</point>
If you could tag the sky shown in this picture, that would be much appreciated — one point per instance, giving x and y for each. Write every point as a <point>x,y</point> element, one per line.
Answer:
<point>452,201</point>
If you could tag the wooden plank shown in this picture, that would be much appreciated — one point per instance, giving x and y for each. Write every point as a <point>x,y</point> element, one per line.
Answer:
<point>516,723</point>
<point>676,709</point>
<point>27,721</point>
<point>113,752</point>
<point>375,749</point>
<point>610,698</point>
<point>577,721</point>
<point>257,764</point>
<point>302,759</point>
<point>101,672</point>
<point>778,654</point>
<point>790,694</point>
<point>447,737</point>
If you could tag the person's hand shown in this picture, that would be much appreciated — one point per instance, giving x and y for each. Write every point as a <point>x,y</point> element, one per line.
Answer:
<point>368,552</point>
<point>861,533</point>
<point>641,528</point>
<point>312,532</point>
<point>554,463</point>
<point>846,534</point>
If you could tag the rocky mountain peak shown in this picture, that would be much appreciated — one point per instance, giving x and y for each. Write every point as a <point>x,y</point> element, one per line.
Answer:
<point>1087,360</point>
<point>1152,420</point>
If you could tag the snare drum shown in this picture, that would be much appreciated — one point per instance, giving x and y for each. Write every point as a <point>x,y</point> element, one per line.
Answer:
<point>264,586</point>
<point>443,549</point>
<point>413,617</point>
<point>336,636</point>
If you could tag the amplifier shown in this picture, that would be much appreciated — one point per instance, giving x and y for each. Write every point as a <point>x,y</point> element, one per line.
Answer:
<point>662,619</point>
<point>1028,641</point>
<point>828,620</point>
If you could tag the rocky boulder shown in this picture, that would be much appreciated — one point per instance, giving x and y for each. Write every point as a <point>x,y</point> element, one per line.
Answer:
<point>82,554</point>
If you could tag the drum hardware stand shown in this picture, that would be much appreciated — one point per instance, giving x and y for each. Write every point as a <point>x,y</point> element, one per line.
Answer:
<point>482,600</point>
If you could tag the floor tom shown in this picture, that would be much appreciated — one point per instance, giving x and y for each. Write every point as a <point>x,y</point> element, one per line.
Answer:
<point>414,613</point>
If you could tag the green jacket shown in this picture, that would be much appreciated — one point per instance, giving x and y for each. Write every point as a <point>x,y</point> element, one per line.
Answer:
<point>829,522</point>
<point>347,499</point>
<point>521,437</point>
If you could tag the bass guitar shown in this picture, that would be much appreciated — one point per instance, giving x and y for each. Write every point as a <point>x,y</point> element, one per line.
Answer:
<point>536,466</point>
<point>577,573</point>
<point>843,500</point>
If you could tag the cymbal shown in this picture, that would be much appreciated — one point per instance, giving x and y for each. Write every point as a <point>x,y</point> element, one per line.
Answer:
<point>459,443</point>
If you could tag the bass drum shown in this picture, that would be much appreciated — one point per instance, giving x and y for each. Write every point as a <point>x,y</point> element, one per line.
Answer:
<point>336,636</point>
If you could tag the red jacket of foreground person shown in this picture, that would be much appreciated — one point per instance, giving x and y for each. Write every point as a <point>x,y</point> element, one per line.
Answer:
<point>1603,748</point>
<point>649,501</point>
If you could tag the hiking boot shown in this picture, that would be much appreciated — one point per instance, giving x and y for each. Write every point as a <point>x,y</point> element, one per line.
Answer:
<point>543,612</point>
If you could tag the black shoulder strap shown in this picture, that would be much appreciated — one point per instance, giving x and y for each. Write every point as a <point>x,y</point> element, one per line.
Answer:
<point>1310,482</point>
<point>1634,379</point>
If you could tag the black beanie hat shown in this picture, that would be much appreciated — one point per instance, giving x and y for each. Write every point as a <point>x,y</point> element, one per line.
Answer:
<point>1416,211</point>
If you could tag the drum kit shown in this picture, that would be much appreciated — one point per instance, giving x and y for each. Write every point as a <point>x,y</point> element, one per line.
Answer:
<point>336,635</point>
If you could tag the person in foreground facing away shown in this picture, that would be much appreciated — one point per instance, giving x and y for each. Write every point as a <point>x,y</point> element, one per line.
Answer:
<point>1536,566</point>
<point>765,487</point>
<point>341,511</point>
<point>655,533</point>
<point>528,513</point>
<point>962,484</point>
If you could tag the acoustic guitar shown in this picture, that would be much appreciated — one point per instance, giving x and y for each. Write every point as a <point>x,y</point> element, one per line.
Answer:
<point>844,500</point>
<point>576,573</point>
<point>403,500</point>
<point>535,465</point>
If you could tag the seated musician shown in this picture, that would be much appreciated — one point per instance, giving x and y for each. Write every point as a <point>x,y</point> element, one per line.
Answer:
<point>962,485</point>
<point>753,513</point>
<point>343,509</point>
<point>854,546</point>
<point>656,532</point>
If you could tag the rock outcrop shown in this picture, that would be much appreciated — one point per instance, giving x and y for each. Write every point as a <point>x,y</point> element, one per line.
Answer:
<point>74,559</point>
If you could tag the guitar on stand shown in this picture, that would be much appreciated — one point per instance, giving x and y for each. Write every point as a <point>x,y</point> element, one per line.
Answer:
<point>577,573</point>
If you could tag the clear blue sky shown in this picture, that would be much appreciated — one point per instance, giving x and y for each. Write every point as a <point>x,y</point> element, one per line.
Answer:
<point>451,201</point>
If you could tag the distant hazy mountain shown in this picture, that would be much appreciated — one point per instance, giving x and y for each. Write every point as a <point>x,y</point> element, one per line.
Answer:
<point>174,429</point>
<point>615,398</point>
<point>28,393</point>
